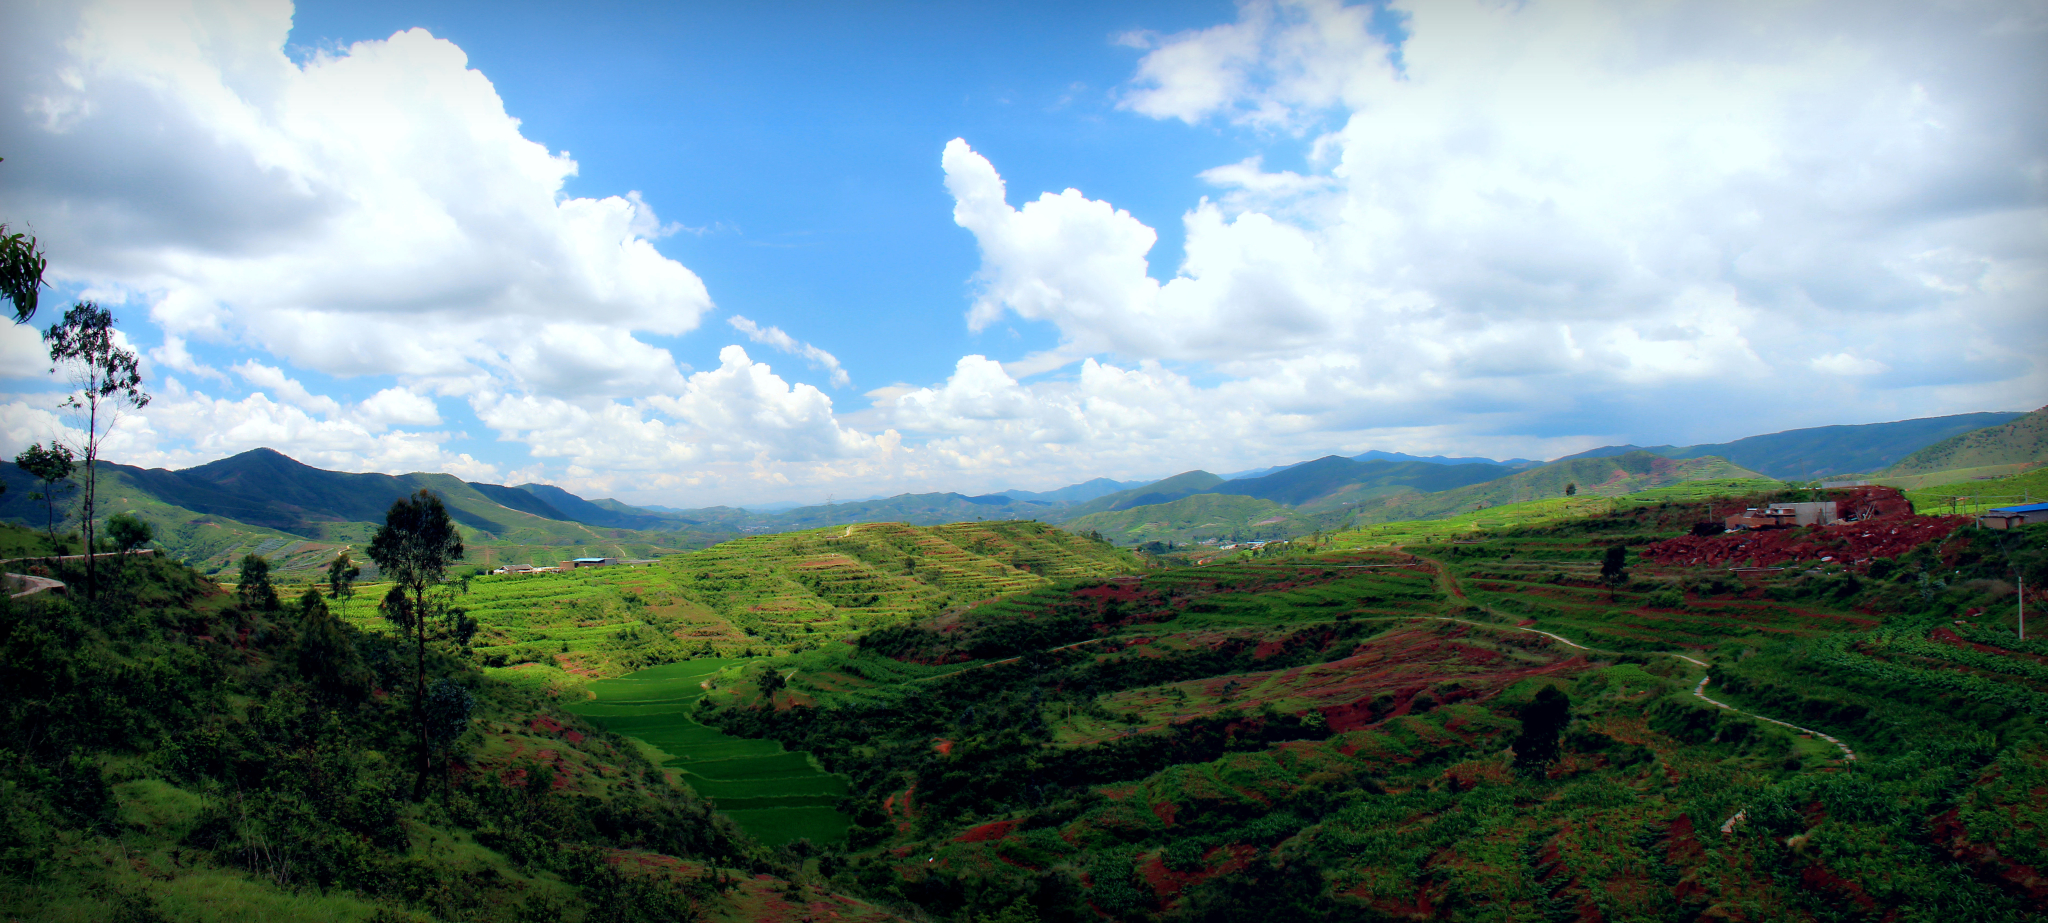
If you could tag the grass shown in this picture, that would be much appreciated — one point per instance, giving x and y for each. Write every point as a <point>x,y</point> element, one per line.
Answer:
<point>776,795</point>
<point>755,596</point>
<point>1478,524</point>
<point>1393,804</point>
<point>1976,496</point>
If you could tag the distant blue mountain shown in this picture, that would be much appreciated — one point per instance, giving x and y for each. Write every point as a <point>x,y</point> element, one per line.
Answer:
<point>1444,460</point>
<point>1822,450</point>
<point>1377,455</point>
<point>1073,493</point>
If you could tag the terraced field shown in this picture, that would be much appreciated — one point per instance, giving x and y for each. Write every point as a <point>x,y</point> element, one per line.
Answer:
<point>1536,513</point>
<point>757,596</point>
<point>1344,736</point>
<point>778,796</point>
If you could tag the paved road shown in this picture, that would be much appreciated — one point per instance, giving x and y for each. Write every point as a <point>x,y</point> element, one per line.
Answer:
<point>32,585</point>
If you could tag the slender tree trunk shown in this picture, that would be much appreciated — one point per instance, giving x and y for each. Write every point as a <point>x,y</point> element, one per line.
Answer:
<point>92,445</point>
<point>419,697</point>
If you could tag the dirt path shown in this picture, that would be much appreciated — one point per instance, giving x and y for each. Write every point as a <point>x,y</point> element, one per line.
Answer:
<point>31,585</point>
<point>1450,583</point>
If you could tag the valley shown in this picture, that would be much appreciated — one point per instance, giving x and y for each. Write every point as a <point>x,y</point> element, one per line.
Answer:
<point>1549,706</point>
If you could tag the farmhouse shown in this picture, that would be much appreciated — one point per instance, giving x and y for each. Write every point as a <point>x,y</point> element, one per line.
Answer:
<point>1780,515</point>
<point>2012,517</point>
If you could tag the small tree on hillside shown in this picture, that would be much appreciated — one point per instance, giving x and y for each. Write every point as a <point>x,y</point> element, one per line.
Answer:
<point>1543,721</point>
<point>1614,568</point>
<point>106,377</point>
<point>255,592</point>
<point>341,580</point>
<point>414,549</point>
<point>1571,488</point>
<point>52,467</point>
<point>128,533</point>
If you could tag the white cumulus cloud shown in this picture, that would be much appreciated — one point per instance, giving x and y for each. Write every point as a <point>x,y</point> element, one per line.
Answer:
<point>370,211</point>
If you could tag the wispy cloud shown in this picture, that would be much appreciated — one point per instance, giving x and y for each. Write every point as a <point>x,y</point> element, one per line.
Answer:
<point>773,336</point>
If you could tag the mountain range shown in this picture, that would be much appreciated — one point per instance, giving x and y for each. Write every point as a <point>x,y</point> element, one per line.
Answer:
<point>266,502</point>
<point>1804,454</point>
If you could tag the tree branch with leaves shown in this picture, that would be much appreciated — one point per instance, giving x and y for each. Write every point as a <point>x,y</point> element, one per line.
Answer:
<point>107,377</point>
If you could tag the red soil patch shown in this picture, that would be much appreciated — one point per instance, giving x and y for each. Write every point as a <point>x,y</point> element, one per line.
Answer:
<point>1852,544</point>
<point>1944,635</point>
<point>945,747</point>
<point>2024,880</point>
<point>1819,877</point>
<point>1167,883</point>
<point>1164,810</point>
<point>1682,849</point>
<point>986,832</point>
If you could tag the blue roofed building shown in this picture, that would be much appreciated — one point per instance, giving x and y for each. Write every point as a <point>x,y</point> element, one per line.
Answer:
<point>2012,517</point>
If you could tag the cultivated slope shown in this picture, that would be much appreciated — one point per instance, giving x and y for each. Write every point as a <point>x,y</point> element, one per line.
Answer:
<point>1599,477</point>
<point>1490,733</point>
<point>1194,519</point>
<point>765,593</point>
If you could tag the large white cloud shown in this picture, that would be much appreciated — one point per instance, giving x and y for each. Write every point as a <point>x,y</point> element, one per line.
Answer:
<point>721,430</point>
<point>372,211</point>
<point>1525,229</point>
<point>1660,217</point>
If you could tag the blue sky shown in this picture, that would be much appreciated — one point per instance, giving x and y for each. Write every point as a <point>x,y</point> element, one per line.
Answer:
<point>725,253</point>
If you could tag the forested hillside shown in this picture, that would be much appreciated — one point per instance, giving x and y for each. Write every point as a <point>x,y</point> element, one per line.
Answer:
<point>176,752</point>
<point>265,503</point>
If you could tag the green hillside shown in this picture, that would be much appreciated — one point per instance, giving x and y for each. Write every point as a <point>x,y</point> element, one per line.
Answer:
<point>917,509</point>
<point>1335,478</point>
<point>2020,441</point>
<point>1195,519</point>
<point>1162,491</point>
<point>1597,477</point>
<point>1490,732</point>
<point>759,595</point>
<point>175,756</point>
<point>300,510</point>
<point>1497,729</point>
<point>1976,496</point>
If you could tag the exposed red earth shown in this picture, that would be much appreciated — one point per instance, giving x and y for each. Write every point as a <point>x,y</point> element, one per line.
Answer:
<point>1167,884</point>
<point>1851,544</point>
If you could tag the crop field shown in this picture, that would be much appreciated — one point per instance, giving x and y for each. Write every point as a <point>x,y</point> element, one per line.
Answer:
<point>771,594</point>
<point>1512,516</point>
<point>1343,736</point>
<point>778,796</point>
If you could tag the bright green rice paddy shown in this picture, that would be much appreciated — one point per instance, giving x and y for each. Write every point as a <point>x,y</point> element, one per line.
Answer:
<point>777,795</point>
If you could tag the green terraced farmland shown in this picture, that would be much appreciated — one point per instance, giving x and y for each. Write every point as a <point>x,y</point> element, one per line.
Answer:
<point>764,595</point>
<point>776,794</point>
